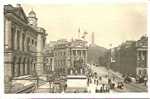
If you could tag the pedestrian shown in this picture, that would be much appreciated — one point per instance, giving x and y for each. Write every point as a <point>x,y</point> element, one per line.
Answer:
<point>100,78</point>
<point>109,80</point>
<point>103,87</point>
<point>97,82</point>
<point>122,85</point>
<point>145,80</point>
<point>99,87</point>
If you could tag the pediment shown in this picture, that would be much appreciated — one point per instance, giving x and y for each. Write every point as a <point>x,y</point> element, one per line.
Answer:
<point>20,13</point>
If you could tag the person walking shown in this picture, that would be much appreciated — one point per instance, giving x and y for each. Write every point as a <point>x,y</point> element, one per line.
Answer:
<point>145,80</point>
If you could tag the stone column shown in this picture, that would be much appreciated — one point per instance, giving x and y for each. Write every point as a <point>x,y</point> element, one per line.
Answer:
<point>52,64</point>
<point>81,53</point>
<point>31,66</point>
<point>137,54</point>
<point>21,69</point>
<point>20,39</point>
<point>15,40</point>
<point>72,59</point>
<point>26,68</point>
<point>8,33</point>
<point>40,63</point>
<point>85,56</point>
<point>16,69</point>
<point>76,53</point>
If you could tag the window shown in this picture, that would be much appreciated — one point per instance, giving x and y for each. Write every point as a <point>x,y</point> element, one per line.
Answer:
<point>64,53</point>
<point>35,43</point>
<point>32,41</point>
<point>28,45</point>
<point>84,53</point>
<point>74,52</point>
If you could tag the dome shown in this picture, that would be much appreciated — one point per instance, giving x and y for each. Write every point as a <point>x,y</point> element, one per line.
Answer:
<point>32,13</point>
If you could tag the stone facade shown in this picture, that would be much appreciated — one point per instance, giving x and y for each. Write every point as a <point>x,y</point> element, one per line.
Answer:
<point>123,58</point>
<point>49,58</point>
<point>70,57</point>
<point>130,57</point>
<point>142,58</point>
<point>21,43</point>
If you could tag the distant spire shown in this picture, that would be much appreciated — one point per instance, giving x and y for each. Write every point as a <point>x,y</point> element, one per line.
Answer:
<point>79,33</point>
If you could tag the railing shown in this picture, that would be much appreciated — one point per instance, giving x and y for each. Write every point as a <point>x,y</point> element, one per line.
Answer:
<point>27,89</point>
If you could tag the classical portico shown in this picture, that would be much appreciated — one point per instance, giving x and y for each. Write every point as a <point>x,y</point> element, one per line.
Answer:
<point>21,43</point>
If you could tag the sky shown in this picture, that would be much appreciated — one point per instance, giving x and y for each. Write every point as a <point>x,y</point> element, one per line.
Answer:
<point>111,23</point>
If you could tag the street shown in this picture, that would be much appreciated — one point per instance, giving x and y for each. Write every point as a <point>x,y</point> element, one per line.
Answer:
<point>130,87</point>
<point>44,86</point>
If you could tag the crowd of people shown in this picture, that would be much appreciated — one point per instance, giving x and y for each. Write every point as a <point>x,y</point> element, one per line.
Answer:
<point>99,83</point>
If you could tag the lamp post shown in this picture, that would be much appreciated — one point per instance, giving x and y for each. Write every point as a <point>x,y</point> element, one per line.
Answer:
<point>109,64</point>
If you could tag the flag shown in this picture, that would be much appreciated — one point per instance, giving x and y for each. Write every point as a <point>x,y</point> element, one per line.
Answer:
<point>83,37</point>
<point>85,33</point>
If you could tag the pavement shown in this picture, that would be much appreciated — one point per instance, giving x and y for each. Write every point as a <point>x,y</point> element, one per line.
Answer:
<point>130,87</point>
<point>133,87</point>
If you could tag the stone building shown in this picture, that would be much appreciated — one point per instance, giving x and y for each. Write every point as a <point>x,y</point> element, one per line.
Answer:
<point>123,58</point>
<point>70,57</point>
<point>41,39</point>
<point>142,58</point>
<point>49,58</point>
<point>130,57</point>
<point>23,40</point>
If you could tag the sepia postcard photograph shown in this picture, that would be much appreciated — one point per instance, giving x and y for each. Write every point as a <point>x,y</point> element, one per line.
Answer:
<point>94,48</point>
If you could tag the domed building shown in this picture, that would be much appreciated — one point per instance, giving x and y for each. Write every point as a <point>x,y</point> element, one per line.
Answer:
<point>32,18</point>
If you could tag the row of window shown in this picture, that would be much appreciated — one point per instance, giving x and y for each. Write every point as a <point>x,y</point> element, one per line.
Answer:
<point>78,52</point>
<point>60,62</point>
<point>17,37</point>
<point>60,53</point>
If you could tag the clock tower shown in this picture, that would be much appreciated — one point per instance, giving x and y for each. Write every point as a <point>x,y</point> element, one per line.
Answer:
<point>32,18</point>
